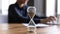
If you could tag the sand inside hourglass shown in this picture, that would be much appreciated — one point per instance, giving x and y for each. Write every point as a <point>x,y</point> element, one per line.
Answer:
<point>31,26</point>
<point>31,14</point>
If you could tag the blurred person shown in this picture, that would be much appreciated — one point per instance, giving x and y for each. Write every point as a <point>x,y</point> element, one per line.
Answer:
<point>18,14</point>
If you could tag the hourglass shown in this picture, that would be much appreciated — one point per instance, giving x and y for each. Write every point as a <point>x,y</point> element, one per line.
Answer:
<point>31,10</point>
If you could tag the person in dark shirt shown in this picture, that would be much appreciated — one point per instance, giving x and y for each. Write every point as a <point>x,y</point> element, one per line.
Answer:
<point>17,13</point>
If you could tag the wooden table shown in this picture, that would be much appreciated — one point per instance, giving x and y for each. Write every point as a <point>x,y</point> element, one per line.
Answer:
<point>20,29</point>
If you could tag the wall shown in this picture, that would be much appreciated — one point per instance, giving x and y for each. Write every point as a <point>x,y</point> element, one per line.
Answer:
<point>39,5</point>
<point>3,18</point>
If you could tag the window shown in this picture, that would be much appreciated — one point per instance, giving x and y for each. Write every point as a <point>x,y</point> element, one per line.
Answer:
<point>5,5</point>
<point>58,7</point>
<point>50,7</point>
<point>12,1</point>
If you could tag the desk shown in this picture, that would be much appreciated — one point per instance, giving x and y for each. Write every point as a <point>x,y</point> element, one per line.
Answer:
<point>20,29</point>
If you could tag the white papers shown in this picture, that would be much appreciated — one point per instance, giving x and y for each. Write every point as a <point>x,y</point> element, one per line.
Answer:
<point>41,25</point>
<point>37,25</point>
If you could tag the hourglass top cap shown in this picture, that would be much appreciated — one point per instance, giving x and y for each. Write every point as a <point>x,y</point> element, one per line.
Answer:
<point>32,8</point>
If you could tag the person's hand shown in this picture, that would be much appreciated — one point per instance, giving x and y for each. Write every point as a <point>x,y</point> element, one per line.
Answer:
<point>51,18</point>
<point>48,19</point>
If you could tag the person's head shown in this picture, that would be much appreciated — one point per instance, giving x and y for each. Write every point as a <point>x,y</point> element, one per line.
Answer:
<point>22,2</point>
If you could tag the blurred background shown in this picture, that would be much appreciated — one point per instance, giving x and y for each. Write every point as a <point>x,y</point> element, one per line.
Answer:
<point>44,8</point>
<point>0,6</point>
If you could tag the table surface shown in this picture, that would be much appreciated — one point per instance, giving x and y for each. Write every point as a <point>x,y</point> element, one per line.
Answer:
<point>20,29</point>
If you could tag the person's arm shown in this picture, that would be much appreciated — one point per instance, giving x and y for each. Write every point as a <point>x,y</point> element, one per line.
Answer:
<point>45,19</point>
<point>38,19</point>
